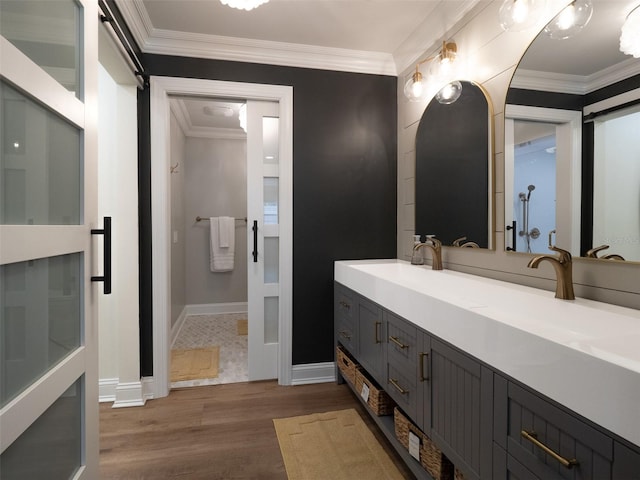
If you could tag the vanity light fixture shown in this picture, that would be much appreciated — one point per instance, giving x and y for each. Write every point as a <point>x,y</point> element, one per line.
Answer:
<point>630,36</point>
<point>243,4</point>
<point>449,93</point>
<point>573,18</point>
<point>518,15</point>
<point>441,68</point>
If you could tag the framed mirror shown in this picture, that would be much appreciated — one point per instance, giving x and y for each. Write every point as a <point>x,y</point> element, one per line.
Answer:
<point>572,149</point>
<point>454,170</point>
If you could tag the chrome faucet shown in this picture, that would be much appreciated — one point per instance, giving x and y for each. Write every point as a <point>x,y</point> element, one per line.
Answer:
<point>435,246</point>
<point>562,265</point>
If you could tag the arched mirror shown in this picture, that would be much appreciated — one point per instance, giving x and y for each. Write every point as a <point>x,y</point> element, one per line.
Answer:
<point>454,170</point>
<point>572,148</point>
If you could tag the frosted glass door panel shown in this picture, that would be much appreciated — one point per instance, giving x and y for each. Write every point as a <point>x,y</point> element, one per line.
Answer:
<point>51,447</point>
<point>39,319</point>
<point>40,164</point>
<point>271,308</point>
<point>271,259</point>
<point>46,31</point>
<point>271,192</point>
<point>270,135</point>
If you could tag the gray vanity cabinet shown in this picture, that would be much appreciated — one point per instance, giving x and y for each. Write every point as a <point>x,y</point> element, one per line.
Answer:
<point>370,338</point>
<point>460,417</point>
<point>344,312</point>
<point>402,354</point>
<point>547,441</point>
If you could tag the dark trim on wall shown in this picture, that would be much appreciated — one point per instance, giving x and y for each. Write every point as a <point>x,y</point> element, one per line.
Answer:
<point>537,98</point>
<point>586,210</point>
<point>609,91</point>
<point>145,279</point>
<point>344,179</point>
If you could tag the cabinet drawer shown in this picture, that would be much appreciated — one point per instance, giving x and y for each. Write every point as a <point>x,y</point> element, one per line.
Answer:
<point>401,387</point>
<point>345,334</point>
<point>345,303</point>
<point>553,443</point>
<point>401,342</point>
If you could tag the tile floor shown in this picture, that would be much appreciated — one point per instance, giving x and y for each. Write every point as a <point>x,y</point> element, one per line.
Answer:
<point>207,330</point>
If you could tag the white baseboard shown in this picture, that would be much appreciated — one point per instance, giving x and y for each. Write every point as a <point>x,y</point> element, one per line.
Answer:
<point>148,388</point>
<point>313,373</point>
<point>216,308</point>
<point>107,389</point>
<point>129,394</point>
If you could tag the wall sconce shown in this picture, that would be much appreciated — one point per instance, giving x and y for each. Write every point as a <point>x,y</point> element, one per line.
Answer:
<point>518,15</point>
<point>630,36</point>
<point>441,69</point>
<point>573,18</point>
<point>449,93</point>
<point>243,4</point>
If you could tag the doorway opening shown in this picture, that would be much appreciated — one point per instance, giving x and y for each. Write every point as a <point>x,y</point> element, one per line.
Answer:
<point>259,233</point>
<point>208,183</point>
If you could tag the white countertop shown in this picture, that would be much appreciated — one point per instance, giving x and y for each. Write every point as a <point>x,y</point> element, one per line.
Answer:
<point>581,353</point>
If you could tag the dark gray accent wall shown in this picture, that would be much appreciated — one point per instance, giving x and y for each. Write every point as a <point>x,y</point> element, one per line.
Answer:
<point>344,180</point>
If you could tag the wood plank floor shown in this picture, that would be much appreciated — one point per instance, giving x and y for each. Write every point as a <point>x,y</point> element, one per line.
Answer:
<point>217,432</point>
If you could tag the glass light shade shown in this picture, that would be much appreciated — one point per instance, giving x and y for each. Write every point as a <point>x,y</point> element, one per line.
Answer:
<point>630,37</point>
<point>449,93</point>
<point>571,20</point>
<point>442,68</point>
<point>243,4</point>
<point>414,88</point>
<point>518,15</point>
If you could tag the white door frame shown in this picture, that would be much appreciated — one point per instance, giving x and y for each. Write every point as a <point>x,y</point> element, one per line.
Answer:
<point>568,175</point>
<point>161,88</point>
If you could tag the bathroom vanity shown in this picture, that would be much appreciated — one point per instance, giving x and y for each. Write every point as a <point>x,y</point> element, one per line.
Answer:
<point>506,380</point>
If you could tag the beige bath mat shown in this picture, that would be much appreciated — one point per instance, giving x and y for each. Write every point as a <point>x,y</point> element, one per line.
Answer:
<point>243,327</point>
<point>193,364</point>
<point>333,445</point>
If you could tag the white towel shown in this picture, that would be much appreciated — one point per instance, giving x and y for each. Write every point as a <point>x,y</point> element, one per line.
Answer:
<point>222,232</point>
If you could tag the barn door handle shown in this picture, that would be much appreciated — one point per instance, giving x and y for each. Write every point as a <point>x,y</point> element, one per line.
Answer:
<point>106,254</point>
<point>255,241</point>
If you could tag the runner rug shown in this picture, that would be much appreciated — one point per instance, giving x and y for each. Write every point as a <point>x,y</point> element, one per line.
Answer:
<point>333,445</point>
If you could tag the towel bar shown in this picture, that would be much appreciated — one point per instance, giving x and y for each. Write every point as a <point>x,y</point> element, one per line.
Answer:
<point>200,219</point>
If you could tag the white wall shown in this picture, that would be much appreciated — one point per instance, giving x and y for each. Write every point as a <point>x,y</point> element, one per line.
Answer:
<point>118,198</point>
<point>491,56</point>
<point>215,185</point>
<point>178,245</point>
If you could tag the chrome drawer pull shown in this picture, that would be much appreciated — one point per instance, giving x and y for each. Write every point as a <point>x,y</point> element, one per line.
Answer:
<point>398,387</point>
<point>377,336</point>
<point>398,342</point>
<point>422,356</point>
<point>345,334</point>
<point>531,436</point>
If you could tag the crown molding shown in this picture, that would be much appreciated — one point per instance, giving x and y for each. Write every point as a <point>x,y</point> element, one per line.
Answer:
<point>187,44</point>
<point>575,84</point>
<point>181,114</point>
<point>428,36</point>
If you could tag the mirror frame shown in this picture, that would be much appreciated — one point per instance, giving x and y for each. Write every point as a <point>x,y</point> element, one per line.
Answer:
<point>454,122</point>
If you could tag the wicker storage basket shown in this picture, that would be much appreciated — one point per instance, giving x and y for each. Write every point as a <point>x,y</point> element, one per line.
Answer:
<point>346,364</point>
<point>431,458</point>
<point>379,401</point>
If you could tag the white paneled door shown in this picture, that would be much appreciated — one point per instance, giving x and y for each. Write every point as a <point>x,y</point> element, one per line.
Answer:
<point>263,230</point>
<point>48,153</point>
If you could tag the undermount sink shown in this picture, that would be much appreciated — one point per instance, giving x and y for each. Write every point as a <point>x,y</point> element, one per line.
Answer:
<point>583,354</point>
